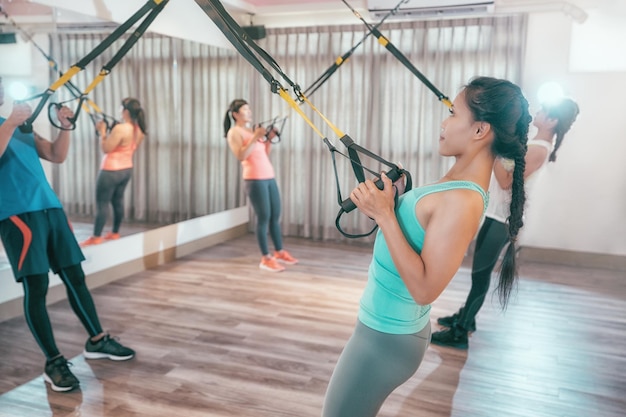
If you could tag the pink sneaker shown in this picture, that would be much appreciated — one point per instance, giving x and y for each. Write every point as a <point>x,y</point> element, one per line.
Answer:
<point>284,257</point>
<point>111,236</point>
<point>270,264</point>
<point>94,240</point>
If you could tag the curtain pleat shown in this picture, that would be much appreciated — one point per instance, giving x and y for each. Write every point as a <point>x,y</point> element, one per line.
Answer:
<point>184,168</point>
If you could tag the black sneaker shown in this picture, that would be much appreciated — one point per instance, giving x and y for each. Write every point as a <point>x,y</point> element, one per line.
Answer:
<point>455,337</point>
<point>57,373</point>
<point>453,320</point>
<point>108,348</point>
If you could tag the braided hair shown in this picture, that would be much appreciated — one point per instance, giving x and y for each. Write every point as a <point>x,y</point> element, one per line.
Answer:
<point>565,112</point>
<point>232,108</point>
<point>136,112</point>
<point>503,105</point>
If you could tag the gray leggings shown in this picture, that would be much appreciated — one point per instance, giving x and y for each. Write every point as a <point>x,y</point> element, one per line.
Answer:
<point>110,187</point>
<point>370,367</point>
<point>265,199</point>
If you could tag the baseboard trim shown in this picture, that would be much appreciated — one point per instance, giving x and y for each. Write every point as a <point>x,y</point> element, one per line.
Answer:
<point>572,258</point>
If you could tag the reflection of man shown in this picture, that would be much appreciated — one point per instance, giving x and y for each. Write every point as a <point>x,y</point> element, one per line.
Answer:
<point>37,237</point>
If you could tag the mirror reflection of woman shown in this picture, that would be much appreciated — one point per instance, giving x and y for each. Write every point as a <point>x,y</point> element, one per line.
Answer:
<point>116,170</point>
<point>252,148</point>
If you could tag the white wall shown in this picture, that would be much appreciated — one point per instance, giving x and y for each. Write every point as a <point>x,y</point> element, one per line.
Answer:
<point>579,202</point>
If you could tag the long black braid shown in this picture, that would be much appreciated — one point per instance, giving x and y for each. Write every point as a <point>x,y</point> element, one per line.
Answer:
<point>503,105</point>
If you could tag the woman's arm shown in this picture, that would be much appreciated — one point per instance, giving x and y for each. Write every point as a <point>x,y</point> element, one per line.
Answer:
<point>452,220</point>
<point>109,142</point>
<point>535,157</point>
<point>237,146</point>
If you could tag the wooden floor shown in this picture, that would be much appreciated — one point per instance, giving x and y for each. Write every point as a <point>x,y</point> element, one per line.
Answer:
<point>216,336</point>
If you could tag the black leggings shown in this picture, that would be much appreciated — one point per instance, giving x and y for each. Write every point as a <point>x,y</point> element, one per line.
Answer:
<point>36,313</point>
<point>265,199</point>
<point>492,238</point>
<point>110,188</point>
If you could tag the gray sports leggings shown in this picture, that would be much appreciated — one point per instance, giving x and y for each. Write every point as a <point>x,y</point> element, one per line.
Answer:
<point>110,187</point>
<point>265,199</point>
<point>370,367</point>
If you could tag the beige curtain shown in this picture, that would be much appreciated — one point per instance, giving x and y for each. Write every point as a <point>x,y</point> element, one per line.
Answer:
<point>376,100</point>
<point>184,168</point>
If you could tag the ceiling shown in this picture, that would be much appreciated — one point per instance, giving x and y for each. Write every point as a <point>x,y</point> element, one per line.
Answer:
<point>267,9</point>
<point>271,13</point>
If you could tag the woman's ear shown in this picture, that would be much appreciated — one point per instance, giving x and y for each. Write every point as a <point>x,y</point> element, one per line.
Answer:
<point>482,130</point>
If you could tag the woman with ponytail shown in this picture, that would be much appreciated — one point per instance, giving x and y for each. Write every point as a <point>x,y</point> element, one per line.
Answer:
<point>252,148</point>
<point>421,242</point>
<point>503,218</point>
<point>116,169</point>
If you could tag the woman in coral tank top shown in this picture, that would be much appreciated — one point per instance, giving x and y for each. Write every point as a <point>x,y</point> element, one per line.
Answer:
<point>116,169</point>
<point>252,148</point>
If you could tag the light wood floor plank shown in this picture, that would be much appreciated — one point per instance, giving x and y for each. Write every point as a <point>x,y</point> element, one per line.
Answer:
<point>218,337</point>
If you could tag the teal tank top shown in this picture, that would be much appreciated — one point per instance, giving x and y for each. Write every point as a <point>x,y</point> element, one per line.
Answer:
<point>386,304</point>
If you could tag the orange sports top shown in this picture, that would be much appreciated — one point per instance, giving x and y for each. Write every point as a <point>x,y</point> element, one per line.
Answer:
<point>257,166</point>
<point>119,158</point>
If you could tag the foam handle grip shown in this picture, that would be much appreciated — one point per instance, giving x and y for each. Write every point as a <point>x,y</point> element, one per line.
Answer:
<point>394,175</point>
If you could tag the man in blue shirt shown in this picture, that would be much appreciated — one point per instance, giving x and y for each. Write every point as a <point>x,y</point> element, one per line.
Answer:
<point>37,238</point>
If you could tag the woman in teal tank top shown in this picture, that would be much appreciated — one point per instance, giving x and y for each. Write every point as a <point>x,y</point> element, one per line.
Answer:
<point>421,243</point>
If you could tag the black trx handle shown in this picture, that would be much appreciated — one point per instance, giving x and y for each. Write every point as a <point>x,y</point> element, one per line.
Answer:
<point>340,60</point>
<point>347,205</point>
<point>401,57</point>
<point>157,5</point>
<point>394,173</point>
<point>272,125</point>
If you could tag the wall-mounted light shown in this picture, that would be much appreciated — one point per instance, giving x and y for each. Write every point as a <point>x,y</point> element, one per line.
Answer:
<point>18,90</point>
<point>550,92</point>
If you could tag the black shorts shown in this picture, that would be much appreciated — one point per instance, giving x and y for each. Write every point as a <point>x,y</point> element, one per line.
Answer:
<point>38,241</point>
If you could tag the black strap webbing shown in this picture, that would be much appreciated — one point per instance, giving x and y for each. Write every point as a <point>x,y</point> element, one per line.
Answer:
<point>401,57</point>
<point>157,5</point>
<point>72,88</point>
<point>340,60</point>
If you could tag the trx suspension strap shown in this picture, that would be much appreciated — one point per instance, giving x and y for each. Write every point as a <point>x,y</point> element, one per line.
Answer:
<point>241,41</point>
<point>400,57</point>
<point>97,114</point>
<point>152,8</point>
<point>340,60</point>
<point>326,75</point>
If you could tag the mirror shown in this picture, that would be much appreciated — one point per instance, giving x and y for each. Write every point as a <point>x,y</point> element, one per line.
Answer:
<point>183,169</point>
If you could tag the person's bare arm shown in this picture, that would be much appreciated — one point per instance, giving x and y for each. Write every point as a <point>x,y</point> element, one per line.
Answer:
<point>236,143</point>
<point>56,151</point>
<point>449,231</point>
<point>110,141</point>
<point>535,156</point>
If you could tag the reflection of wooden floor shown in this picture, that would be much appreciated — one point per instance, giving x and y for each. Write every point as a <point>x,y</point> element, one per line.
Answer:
<point>218,337</point>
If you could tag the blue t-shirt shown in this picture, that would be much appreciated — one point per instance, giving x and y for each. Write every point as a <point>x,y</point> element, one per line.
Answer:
<point>23,184</point>
<point>386,304</point>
